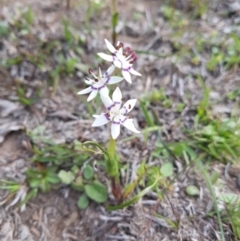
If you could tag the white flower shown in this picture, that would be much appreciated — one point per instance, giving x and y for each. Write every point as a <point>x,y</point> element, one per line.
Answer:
<point>121,58</point>
<point>98,83</point>
<point>116,114</point>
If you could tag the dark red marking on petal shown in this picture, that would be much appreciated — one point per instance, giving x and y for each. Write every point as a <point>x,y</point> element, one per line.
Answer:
<point>120,45</point>
<point>107,115</point>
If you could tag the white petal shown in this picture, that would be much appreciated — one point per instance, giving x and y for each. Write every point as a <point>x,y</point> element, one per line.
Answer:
<point>117,63</point>
<point>110,70</point>
<point>106,57</point>
<point>117,95</point>
<point>92,95</point>
<point>115,130</point>
<point>120,50</point>
<point>121,58</point>
<point>104,91</point>
<point>129,125</point>
<point>100,120</point>
<point>85,91</point>
<point>97,85</point>
<point>89,81</point>
<point>115,79</point>
<point>128,106</point>
<point>110,46</point>
<point>134,72</point>
<point>116,107</point>
<point>106,100</point>
<point>127,76</point>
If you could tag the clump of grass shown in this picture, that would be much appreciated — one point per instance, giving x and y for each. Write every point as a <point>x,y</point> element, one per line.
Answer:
<point>219,139</point>
<point>231,215</point>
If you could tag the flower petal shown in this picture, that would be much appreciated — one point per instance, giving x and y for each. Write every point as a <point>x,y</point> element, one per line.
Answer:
<point>100,120</point>
<point>128,106</point>
<point>97,85</point>
<point>115,129</point>
<point>106,57</point>
<point>104,91</point>
<point>117,62</point>
<point>128,123</point>
<point>117,95</point>
<point>92,95</point>
<point>110,70</point>
<point>114,80</point>
<point>106,101</point>
<point>127,76</point>
<point>134,72</point>
<point>110,46</point>
<point>85,91</point>
<point>89,81</point>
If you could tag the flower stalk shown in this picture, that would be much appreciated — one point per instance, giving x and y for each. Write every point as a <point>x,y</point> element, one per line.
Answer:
<point>114,21</point>
<point>115,111</point>
<point>116,186</point>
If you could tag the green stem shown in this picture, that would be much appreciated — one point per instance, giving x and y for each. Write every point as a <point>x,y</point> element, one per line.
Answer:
<point>113,160</point>
<point>114,22</point>
<point>112,147</point>
<point>113,170</point>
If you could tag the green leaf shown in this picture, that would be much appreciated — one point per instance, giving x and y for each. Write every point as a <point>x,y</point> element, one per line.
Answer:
<point>214,177</point>
<point>39,130</point>
<point>142,169</point>
<point>88,172</point>
<point>77,145</point>
<point>75,169</point>
<point>67,33</point>
<point>192,190</point>
<point>78,184</point>
<point>167,169</point>
<point>83,201</point>
<point>112,164</point>
<point>139,195</point>
<point>145,112</point>
<point>53,178</point>
<point>236,41</point>
<point>28,16</point>
<point>229,198</point>
<point>45,187</point>
<point>97,192</point>
<point>35,183</point>
<point>66,177</point>
<point>33,193</point>
<point>4,30</point>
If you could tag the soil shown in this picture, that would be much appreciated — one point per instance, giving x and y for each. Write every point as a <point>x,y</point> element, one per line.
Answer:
<point>55,216</point>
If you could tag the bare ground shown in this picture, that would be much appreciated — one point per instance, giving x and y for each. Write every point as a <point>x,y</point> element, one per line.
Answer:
<point>55,216</point>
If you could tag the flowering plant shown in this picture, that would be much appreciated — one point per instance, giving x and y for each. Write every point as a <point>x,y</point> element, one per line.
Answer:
<point>115,111</point>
